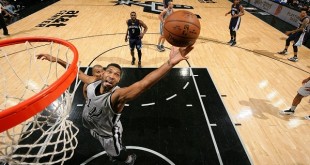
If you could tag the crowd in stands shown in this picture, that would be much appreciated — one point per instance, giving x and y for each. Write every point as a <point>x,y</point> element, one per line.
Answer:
<point>296,4</point>
<point>13,10</point>
<point>9,10</point>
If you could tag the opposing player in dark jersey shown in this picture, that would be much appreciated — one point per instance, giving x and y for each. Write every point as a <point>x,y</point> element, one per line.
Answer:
<point>297,35</point>
<point>135,36</point>
<point>106,101</point>
<point>236,12</point>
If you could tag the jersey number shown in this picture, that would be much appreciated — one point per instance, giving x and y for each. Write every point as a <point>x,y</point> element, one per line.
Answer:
<point>93,111</point>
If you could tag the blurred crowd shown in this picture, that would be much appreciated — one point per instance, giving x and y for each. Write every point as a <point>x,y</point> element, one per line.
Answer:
<point>296,4</point>
<point>13,10</point>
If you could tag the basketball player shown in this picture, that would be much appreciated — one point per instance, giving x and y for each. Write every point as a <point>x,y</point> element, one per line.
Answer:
<point>162,16</point>
<point>297,35</point>
<point>106,101</point>
<point>166,3</point>
<point>135,36</point>
<point>236,12</point>
<point>97,71</point>
<point>303,91</point>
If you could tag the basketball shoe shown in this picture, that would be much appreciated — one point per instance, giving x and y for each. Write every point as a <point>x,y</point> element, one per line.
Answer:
<point>283,52</point>
<point>233,43</point>
<point>294,59</point>
<point>307,117</point>
<point>287,112</point>
<point>159,48</point>
<point>133,61</point>
<point>162,48</point>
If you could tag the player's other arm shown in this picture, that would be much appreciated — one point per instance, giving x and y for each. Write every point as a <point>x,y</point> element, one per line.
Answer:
<point>126,36</point>
<point>161,15</point>
<point>144,28</point>
<point>302,27</point>
<point>82,76</point>
<point>241,13</point>
<point>123,95</point>
<point>228,13</point>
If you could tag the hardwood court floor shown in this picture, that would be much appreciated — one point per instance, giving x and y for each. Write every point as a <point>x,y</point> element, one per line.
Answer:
<point>256,81</point>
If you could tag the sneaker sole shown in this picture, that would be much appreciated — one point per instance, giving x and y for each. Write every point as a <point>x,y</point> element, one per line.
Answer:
<point>293,60</point>
<point>286,113</point>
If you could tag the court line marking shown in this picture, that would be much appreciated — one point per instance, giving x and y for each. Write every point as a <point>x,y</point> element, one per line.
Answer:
<point>148,104</point>
<point>171,97</point>
<point>131,147</point>
<point>185,86</point>
<point>207,119</point>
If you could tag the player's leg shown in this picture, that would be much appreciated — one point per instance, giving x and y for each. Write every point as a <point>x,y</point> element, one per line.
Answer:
<point>294,58</point>
<point>297,42</point>
<point>138,47</point>
<point>161,38</point>
<point>114,148</point>
<point>235,26</point>
<point>234,35</point>
<point>231,31</point>
<point>290,38</point>
<point>301,93</point>
<point>3,25</point>
<point>132,48</point>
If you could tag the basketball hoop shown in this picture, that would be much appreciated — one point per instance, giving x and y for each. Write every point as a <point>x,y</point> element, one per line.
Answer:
<point>35,101</point>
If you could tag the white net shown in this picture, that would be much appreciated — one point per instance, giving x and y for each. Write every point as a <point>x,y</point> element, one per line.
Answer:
<point>48,137</point>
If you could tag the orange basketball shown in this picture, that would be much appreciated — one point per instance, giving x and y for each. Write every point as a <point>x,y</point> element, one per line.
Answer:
<point>181,28</point>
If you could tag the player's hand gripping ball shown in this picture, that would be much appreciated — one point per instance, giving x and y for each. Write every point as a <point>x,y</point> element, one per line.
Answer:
<point>181,28</point>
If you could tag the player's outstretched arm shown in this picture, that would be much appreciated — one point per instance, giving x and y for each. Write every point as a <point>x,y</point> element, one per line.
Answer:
<point>82,76</point>
<point>123,95</point>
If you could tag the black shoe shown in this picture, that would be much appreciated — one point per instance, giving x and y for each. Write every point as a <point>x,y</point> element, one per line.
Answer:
<point>162,48</point>
<point>133,61</point>
<point>233,43</point>
<point>159,48</point>
<point>294,59</point>
<point>283,52</point>
<point>6,34</point>
<point>139,64</point>
<point>287,112</point>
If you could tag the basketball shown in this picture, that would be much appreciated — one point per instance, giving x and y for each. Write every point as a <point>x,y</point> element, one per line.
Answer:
<point>181,28</point>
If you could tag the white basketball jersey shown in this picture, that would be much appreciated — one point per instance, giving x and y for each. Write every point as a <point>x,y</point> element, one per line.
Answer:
<point>98,114</point>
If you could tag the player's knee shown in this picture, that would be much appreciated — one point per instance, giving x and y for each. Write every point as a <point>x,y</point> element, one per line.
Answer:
<point>287,42</point>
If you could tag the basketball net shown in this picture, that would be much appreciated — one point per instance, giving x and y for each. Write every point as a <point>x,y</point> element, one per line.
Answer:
<point>48,136</point>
